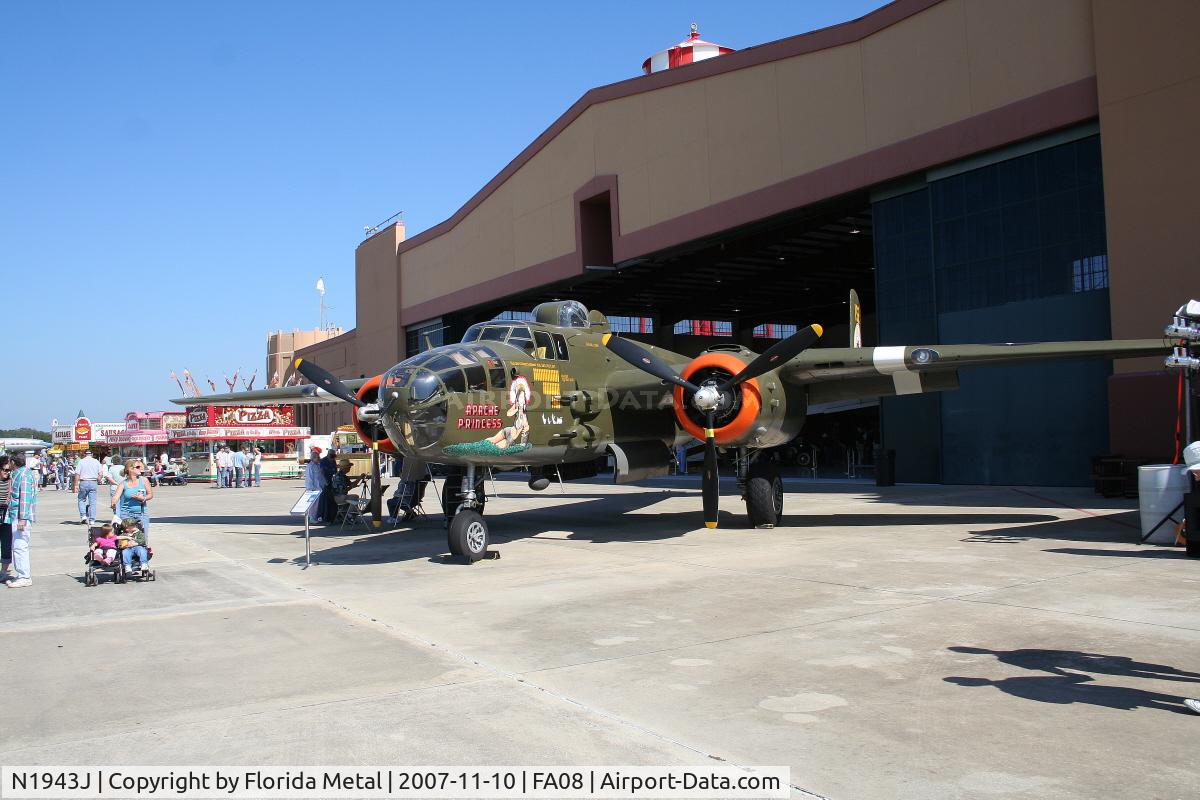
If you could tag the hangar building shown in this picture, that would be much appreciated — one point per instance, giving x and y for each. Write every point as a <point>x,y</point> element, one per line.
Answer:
<point>979,170</point>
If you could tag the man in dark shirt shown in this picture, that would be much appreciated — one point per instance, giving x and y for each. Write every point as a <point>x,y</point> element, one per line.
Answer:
<point>328,469</point>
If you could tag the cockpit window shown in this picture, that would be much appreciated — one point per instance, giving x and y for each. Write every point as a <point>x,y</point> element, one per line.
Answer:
<point>495,333</point>
<point>545,345</point>
<point>560,345</point>
<point>521,338</point>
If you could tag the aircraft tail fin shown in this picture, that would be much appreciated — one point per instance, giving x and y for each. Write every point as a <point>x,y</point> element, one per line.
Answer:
<point>855,320</point>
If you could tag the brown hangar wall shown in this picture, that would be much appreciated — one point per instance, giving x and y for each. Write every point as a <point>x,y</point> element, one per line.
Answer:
<point>689,152</point>
<point>1148,79</point>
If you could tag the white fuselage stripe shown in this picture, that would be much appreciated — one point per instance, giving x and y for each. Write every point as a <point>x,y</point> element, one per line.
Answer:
<point>890,361</point>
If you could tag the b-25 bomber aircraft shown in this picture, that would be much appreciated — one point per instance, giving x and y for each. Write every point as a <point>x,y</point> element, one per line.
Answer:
<point>557,393</point>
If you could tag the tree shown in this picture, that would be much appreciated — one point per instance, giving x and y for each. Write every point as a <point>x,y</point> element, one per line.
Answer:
<point>25,433</point>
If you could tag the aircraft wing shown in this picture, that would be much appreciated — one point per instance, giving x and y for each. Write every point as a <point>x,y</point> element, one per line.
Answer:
<point>842,373</point>
<point>288,395</point>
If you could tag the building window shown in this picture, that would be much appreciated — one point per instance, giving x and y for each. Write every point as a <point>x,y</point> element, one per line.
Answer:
<point>631,324</point>
<point>421,337</point>
<point>774,330</point>
<point>515,316</point>
<point>704,327</point>
<point>1090,273</point>
<point>150,423</point>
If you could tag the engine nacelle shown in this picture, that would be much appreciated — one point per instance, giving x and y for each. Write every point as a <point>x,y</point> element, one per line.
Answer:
<point>756,413</point>
<point>369,393</point>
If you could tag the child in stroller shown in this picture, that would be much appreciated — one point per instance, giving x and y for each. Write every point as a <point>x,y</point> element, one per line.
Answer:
<point>132,542</point>
<point>104,546</point>
<point>113,552</point>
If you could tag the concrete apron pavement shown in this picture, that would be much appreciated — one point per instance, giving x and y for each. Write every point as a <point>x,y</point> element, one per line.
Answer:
<point>913,642</point>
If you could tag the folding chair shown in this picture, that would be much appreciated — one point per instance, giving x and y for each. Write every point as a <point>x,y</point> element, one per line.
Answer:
<point>356,511</point>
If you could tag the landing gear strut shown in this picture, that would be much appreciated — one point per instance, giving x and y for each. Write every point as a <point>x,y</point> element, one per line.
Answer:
<point>463,506</point>
<point>762,489</point>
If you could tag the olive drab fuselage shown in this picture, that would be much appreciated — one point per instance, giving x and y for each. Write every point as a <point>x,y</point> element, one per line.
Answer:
<point>520,393</point>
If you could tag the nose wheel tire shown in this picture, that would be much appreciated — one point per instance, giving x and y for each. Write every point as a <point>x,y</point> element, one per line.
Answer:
<point>468,536</point>
<point>764,495</point>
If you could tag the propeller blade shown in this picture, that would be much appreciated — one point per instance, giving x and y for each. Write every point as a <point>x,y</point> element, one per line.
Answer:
<point>326,380</point>
<point>646,361</point>
<point>710,486</point>
<point>376,489</point>
<point>779,353</point>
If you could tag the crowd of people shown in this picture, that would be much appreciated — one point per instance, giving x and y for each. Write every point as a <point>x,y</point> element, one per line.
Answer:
<point>238,469</point>
<point>59,471</point>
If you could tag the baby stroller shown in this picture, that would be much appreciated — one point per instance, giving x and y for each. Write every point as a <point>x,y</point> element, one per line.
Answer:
<point>97,564</point>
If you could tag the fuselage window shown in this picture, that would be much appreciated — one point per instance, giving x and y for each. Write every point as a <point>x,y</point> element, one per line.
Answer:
<point>560,344</point>
<point>494,364</point>
<point>545,345</point>
<point>461,357</point>
<point>440,363</point>
<point>454,380</point>
<point>476,378</point>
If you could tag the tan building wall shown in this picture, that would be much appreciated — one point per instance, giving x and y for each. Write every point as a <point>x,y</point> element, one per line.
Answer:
<point>340,356</point>
<point>760,131</point>
<point>377,300</point>
<point>1148,81</point>
<point>282,347</point>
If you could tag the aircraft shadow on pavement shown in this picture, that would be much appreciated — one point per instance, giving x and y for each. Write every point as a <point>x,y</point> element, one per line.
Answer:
<point>597,519</point>
<point>1117,528</point>
<point>426,537</point>
<point>1069,678</point>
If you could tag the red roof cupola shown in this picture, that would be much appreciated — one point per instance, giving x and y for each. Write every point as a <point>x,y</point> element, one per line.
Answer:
<point>691,49</point>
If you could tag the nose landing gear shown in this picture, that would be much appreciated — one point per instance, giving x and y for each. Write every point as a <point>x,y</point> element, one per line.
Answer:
<point>467,536</point>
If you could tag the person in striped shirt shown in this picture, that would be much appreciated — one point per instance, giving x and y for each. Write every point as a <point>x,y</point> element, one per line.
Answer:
<point>22,513</point>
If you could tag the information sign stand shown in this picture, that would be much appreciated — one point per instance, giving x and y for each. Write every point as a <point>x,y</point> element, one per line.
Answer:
<point>304,506</point>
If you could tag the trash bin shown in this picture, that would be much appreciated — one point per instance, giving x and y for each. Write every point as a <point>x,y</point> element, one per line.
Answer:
<point>1160,492</point>
<point>885,467</point>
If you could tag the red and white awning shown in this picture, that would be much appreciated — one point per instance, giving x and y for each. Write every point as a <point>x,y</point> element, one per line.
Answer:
<point>688,51</point>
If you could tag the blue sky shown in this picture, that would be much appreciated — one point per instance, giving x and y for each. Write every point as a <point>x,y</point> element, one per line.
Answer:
<point>176,175</point>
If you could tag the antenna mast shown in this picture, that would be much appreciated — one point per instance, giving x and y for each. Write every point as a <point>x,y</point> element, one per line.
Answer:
<point>321,289</point>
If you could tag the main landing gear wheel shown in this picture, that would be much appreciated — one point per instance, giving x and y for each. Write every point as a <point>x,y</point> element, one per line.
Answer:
<point>764,495</point>
<point>468,535</point>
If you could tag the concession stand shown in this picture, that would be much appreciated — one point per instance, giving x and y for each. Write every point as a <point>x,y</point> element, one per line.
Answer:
<point>271,429</point>
<point>83,435</point>
<point>146,435</point>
